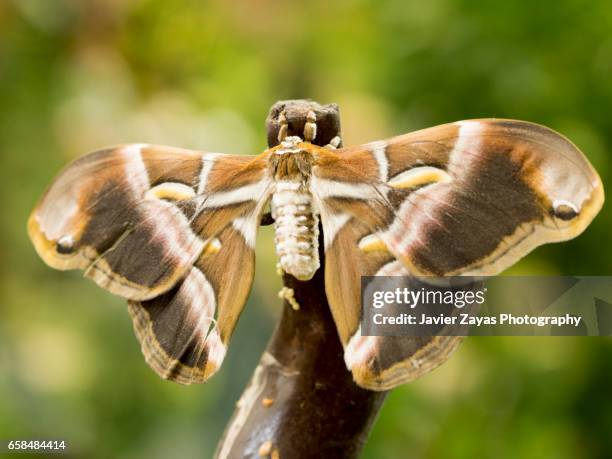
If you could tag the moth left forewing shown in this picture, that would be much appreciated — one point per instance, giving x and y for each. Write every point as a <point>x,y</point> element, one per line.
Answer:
<point>171,230</point>
<point>100,210</point>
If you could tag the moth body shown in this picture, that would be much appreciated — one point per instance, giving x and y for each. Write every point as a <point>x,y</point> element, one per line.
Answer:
<point>296,220</point>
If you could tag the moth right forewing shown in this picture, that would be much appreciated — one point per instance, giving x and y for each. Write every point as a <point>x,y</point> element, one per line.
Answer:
<point>475,196</point>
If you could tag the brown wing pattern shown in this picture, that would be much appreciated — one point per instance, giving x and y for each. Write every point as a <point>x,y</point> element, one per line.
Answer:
<point>185,332</point>
<point>501,189</point>
<point>171,230</point>
<point>468,198</point>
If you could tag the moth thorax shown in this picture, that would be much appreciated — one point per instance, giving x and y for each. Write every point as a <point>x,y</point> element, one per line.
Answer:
<point>296,226</point>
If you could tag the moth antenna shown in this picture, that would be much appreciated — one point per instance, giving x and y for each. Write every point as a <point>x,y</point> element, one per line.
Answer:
<point>334,143</point>
<point>310,127</point>
<point>284,127</point>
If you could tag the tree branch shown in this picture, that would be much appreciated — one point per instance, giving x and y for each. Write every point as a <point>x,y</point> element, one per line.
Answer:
<point>302,401</point>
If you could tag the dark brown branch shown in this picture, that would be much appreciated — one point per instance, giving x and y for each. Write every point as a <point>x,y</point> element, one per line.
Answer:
<point>266,219</point>
<point>302,401</point>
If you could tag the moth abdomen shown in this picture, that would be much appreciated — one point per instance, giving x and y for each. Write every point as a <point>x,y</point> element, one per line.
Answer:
<point>296,227</point>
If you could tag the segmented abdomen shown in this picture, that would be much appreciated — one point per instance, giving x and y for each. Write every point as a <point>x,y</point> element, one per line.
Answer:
<point>296,226</point>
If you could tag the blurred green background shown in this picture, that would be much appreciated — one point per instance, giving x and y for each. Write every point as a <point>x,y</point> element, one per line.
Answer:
<point>78,75</point>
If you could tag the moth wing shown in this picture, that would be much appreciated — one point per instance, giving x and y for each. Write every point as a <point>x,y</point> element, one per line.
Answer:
<point>159,226</point>
<point>184,333</point>
<point>469,198</point>
<point>376,362</point>
<point>473,197</point>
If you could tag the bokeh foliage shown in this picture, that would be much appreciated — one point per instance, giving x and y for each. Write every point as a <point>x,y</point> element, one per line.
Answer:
<point>78,75</point>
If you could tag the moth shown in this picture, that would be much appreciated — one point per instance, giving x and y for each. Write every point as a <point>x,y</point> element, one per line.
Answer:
<point>173,231</point>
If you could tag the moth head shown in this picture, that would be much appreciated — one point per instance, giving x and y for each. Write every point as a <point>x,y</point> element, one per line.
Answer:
<point>305,119</point>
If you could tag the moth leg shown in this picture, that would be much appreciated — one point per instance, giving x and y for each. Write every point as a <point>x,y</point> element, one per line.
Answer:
<point>288,294</point>
<point>284,127</point>
<point>334,143</point>
<point>310,127</point>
